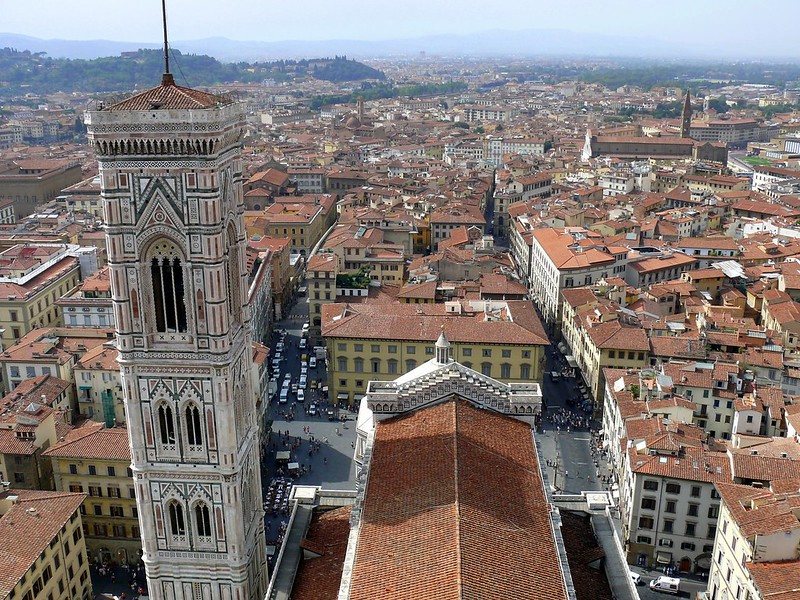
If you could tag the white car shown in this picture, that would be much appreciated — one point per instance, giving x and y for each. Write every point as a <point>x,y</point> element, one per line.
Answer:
<point>312,410</point>
<point>305,327</point>
<point>286,383</point>
<point>636,578</point>
<point>303,381</point>
<point>303,343</point>
<point>303,370</point>
<point>301,395</point>
<point>312,362</point>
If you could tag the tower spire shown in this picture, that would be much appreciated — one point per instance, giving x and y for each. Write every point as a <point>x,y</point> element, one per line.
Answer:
<point>166,78</point>
<point>686,115</point>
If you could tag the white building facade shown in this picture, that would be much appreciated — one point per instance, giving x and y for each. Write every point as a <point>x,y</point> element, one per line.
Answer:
<point>171,179</point>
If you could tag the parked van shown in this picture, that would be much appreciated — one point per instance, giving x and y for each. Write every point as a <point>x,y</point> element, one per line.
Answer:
<point>668,585</point>
<point>284,395</point>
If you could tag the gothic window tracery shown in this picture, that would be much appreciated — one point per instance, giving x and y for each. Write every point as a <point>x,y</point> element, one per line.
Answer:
<point>168,288</point>
<point>166,425</point>
<point>202,518</point>
<point>234,295</point>
<point>177,524</point>
<point>194,429</point>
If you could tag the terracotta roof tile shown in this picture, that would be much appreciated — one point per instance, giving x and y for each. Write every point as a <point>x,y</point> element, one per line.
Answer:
<point>455,509</point>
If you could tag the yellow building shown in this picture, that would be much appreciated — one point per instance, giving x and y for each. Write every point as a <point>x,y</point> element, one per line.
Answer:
<point>376,341</point>
<point>598,337</point>
<point>35,278</point>
<point>96,461</point>
<point>44,553</point>
<point>321,282</point>
<point>301,219</point>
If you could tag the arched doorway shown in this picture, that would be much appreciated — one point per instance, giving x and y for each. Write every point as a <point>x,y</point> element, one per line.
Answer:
<point>685,565</point>
<point>122,556</point>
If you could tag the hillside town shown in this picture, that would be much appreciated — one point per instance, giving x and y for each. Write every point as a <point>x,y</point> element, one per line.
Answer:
<point>625,286</point>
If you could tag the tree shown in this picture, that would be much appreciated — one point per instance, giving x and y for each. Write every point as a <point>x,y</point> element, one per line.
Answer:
<point>719,105</point>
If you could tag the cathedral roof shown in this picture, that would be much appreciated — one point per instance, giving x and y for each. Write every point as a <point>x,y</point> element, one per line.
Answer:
<point>169,96</point>
<point>457,487</point>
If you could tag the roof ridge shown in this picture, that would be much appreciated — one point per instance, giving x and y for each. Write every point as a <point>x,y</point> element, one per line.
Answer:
<point>456,503</point>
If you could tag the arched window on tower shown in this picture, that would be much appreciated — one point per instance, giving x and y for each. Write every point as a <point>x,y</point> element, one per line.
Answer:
<point>194,431</point>
<point>202,517</point>
<point>177,525</point>
<point>166,425</point>
<point>169,302</point>
<point>234,295</point>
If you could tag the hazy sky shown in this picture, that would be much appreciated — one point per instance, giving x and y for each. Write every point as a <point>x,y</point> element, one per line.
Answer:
<point>731,22</point>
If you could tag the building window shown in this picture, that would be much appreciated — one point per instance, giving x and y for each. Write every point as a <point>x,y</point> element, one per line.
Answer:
<point>392,349</point>
<point>649,484</point>
<point>203,519</point>
<point>341,347</point>
<point>194,431</point>
<point>668,523</point>
<point>73,469</point>
<point>98,509</point>
<point>673,488</point>
<point>358,365</point>
<point>411,349</point>
<point>376,365</point>
<point>612,354</point>
<point>486,369</point>
<point>166,424</point>
<point>649,503</point>
<point>713,511</point>
<point>466,352</point>
<point>506,353</point>
<point>429,350</point>
<point>341,363</point>
<point>712,532</point>
<point>116,511</point>
<point>358,347</point>
<point>486,352</point>
<point>411,364</point>
<point>176,523</point>
<point>168,294</point>
<point>392,363</point>
<point>693,510</point>
<point>670,506</point>
<point>645,523</point>
<point>375,348</point>
<point>524,371</point>
<point>112,472</point>
<point>695,491</point>
<point>505,371</point>
<point>690,528</point>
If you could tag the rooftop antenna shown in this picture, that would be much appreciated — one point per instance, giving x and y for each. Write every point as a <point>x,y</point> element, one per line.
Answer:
<point>166,78</point>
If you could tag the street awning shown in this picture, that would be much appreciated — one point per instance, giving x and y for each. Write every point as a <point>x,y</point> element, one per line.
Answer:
<point>663,558</point>
<point>283,455</point>
<point>571,361</point>
<point>293,466</point>
<point>342,396</point>
<point>703,561</point>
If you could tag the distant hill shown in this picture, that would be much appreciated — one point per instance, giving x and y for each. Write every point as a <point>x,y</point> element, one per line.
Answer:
<point>23,71</point>
<point>528,42</point>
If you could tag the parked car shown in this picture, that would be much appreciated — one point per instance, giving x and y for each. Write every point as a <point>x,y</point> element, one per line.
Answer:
<point>555,375</point>
<point>303,343</point>
<point>312,409</point>
<point>312,362</point>
<point>303,381</point>
<point>301,395</point>
<point>305,327</point>
<point>636,578</point>
<point>331,415</point>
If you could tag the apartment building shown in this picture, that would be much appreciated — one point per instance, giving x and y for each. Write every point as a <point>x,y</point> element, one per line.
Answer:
<point>647,266</point>
<point>44,551</point>
<point>765,176</point>
<point>301,219</point>
<point>729,131</point>
<point>31,420</point>
<point>89,303</point>
<point>495,147</point>
<point>95,461</point>
<point>708,250</point>
<point>31,183</point>
<point>32,279</point>
<point>364,248</point>
<point>373,341</point>
<point>451,216</point>
<point>616,183</point>
<point>321,273</point>
<point>308,180</point>
<point>49,351</point>
<point>600,335</point>
<point>99,385</point>
<point>669,502</point>
<point>755,552</point>
<point>562,258</point>
<point>489,113</point>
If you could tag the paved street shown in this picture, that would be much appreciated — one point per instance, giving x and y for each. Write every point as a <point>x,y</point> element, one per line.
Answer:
<point>321,444</point>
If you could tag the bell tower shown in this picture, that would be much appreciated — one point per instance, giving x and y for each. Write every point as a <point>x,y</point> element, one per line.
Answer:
<point>171,177</point>
<point>686,116</point>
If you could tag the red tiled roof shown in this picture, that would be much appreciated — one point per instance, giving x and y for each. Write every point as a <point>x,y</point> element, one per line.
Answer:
<point>169,97</point>
<point>455,509</point>
<point>27,529</point>
<point>318,578</point>
<point>94,441</point>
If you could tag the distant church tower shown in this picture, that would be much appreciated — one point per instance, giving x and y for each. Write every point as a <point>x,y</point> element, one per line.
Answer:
<point>171,177</point>
<point>686,116</point>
